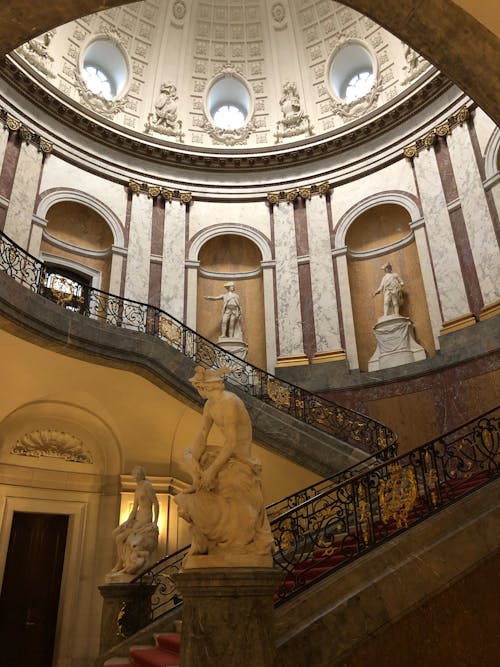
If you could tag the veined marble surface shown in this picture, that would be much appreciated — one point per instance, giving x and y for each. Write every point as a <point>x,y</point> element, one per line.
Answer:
<point>447,270</point>
<point>139,249</point>
<point>347,314</point>
<point>287,282</point>
<point>326,321</point>
<point>23,195</point>
<point>173,271</point>
<point>482,239</point>
<point>4,137</point>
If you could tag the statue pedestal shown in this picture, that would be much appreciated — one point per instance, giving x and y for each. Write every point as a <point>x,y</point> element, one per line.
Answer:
<point>236,346</point>
<point>126,608</point>
<point>228,616</point>
<point>396,344</point>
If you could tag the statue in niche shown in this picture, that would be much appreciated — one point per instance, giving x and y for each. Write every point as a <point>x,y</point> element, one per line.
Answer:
<point>224,505</point>
<point>294,120</point>
<point>164,118</point>
<point>137,537</point>
<point>36,52</point>
<point>231,312</point>
<point>391,287</point>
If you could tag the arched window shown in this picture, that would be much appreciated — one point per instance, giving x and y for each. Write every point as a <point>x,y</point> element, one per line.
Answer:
<point>104,68</point>
<point>229,102</point>
<point>351,72</point>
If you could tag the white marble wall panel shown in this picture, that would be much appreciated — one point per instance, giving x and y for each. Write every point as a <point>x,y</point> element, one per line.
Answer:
<point>269,314</point>
<point>444,255</point>
<point>173,267</point>
<point>428,280</point>
<point>115,277</point>
<point>139,249</point>
<point>192,294</point>
<point>23,195</point>
<point>4,137</point>
<point>326,321</point>
<point>250,214</point>
<point>484,127</point>
<point>476,213</point>
<point>58,173</point>
<point>397,176</point>
<point>287,282</point>
<point>347,314</point>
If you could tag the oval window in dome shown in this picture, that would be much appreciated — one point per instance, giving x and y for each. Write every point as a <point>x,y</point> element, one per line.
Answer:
<point>104,68</point>
<point>228,103</point>
<point>351,72</point>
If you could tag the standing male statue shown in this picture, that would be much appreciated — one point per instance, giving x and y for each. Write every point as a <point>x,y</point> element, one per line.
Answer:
<point>391,287</point>
<point>231,312</point>
<point>224,505</point>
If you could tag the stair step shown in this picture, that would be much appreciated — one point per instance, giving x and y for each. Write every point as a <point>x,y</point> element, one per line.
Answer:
<point>154,657</point>
<point>170,641</point>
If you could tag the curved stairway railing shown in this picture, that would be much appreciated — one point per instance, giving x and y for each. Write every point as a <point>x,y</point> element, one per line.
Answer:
<point>353,515</point>
<point>356,429</point>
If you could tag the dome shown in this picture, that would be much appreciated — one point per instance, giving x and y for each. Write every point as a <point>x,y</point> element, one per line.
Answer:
<point>155,73</point>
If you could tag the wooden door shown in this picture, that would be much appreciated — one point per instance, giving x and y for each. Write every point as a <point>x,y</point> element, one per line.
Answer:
<point>30,592</point>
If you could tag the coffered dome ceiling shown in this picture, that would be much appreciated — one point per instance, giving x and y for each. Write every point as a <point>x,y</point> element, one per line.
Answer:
<point>286,74</point>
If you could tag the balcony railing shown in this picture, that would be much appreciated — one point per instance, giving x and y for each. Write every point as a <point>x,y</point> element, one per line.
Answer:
<point>347,425</point>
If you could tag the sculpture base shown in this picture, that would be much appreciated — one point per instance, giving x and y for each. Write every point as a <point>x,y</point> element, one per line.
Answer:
<point>396,344</point>
<point>205,561</point>
<point>227,616</point>
<point>236,346</point>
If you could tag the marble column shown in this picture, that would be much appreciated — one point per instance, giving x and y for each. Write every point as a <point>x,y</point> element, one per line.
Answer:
<point>340,255</point>
<point>447,271</point>
<point>174,257</point>
<point>228,616</point>
<point>139,249</point>
<point>326,319</point>
<point>482,238</point>
<point>269,313</point>
<point>287,284</point>
<point>418,227</point>
<point>23,195</point>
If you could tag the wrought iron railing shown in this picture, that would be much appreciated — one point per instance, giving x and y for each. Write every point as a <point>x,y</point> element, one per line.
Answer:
<point>330,524</point>
<point>358,430</point>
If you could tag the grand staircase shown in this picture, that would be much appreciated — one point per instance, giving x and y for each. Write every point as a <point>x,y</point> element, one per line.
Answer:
<point>320,530</point>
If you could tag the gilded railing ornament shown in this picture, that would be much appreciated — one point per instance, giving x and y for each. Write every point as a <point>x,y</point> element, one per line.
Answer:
<point>431,477</point>
<point>170,331</point>
<point>363,513</point>
<point>278,394</point>
<point>397,495</point>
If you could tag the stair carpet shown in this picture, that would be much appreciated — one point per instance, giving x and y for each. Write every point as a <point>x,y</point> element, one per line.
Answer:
<point>166,653</point>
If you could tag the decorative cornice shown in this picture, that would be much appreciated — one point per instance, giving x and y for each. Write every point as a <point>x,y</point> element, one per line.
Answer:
<point>153,191</point>
<point>26,134</point>
<point>305,192</point>
<point>441,130</point>
<point>323,146</point>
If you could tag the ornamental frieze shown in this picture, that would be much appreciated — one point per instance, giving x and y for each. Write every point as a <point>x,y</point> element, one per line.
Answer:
<point>305,192</point>
<point>441,130</point>
<point>152,191</point>
<point>53,444</point>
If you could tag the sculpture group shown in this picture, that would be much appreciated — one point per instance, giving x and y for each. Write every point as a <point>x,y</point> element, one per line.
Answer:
<point>224,505</point>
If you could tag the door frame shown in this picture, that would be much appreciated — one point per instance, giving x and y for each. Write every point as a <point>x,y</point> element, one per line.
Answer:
<point>73,554</point>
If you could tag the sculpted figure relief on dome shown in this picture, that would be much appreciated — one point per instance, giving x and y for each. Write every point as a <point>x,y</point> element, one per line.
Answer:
<point>163,119</point>
<point>294,121</point>
<point>36,52</point>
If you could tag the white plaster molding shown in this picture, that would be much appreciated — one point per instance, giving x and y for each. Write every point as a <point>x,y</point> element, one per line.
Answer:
<point>491,155</point>
<point>4,202</point>
<point>242,275</point>
<point>454,205</point>
<point>268,264</point>
<point>339,252</point>
<point>399,198</point>
<point>87,200</point>
<point>303,259</point>
<point>77,250</point>
<point>92,274</point>
<point>119,250</point>
<point>38,221</point>
<point>377,252</point>
<point>192,264</point>
<point>417,224</point>
<point>229,228</point>
<point>488,183</point>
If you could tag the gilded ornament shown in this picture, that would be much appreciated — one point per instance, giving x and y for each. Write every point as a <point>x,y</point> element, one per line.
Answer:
<point>186,197</point>
<point>397,495</point>
<point>443,129</point>
<point>153,191</point>
<point>12,123</point>
<point>323,188</point>
<point>273,197</point>
<point>170,331</point>
<point>305,193</point>
<point>363,513</point>
<point>167,194</point>
<point>410,151</point>
<point>27,135</point>
<point>429,139</point>
<point>462,115</point>
<point>134,186</point>
<point>279,394</point>
<point>292,195</point>
<point>46,146</point>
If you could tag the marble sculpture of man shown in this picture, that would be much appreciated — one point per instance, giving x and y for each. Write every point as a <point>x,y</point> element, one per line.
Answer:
<point>391,287</point>
<point>231,312</point>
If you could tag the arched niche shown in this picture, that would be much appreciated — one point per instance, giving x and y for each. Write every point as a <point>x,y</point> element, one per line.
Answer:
<point>78,237</point>
<point>224,258</point>
<point>378,235</point>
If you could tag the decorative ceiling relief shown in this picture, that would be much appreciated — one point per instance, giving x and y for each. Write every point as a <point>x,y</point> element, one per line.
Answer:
<point>278,15</point>
<point>52,444</point>
<point>294,121</point>
<point>228,137</point>
<point>163,120</point>
<point>357,107</point>
<point>415,64</point>
<point>97,103</point>
<point>36,52</point>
